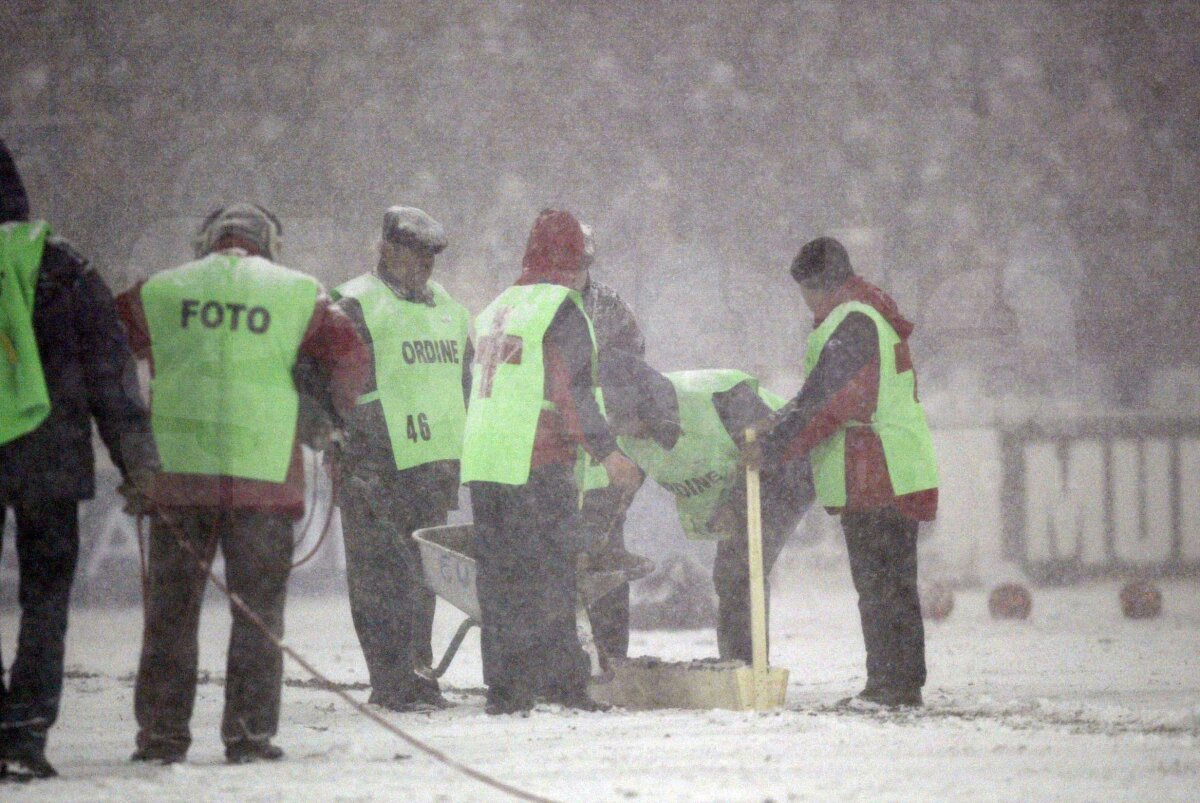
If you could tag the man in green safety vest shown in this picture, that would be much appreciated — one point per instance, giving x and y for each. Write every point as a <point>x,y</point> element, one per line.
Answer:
<point>400,461</point>
<point>859,419</point>
<point>223,334</point>
<point>684,430</point>
<point>533,418</point>
<point>64,364</point>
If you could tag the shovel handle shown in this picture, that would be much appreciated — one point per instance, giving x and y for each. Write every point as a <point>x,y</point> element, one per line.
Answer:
<point>758,601</point>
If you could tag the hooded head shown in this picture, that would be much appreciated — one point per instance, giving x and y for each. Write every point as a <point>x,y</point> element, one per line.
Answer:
<point>256,225</point>
<point>14,203</point>
<point>555,250</point>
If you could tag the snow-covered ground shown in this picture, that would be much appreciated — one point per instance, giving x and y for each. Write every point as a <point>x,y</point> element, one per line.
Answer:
<point>1076,704</point>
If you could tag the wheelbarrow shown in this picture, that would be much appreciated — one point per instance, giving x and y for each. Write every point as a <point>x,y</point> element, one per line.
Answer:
<point>448,561</point>
<point>640,683</point>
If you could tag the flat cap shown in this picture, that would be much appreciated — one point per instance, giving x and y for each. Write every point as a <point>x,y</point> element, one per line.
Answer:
<point>407,225</point>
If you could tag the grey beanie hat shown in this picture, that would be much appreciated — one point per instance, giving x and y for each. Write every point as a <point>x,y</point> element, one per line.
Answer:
<point>249,221</point>
<point>407,225</point>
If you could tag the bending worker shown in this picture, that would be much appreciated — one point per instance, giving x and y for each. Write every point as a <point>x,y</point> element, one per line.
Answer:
<point>223,334</point>
<point>64,362</point>
<point>533,412</point>
<point>684,430</point>
<point>872,456</point>
<point>400,461</point>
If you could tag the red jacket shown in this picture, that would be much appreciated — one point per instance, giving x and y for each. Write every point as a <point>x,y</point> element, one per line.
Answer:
<point>554,254</point>
<point>843,387</point>
<point>330,340</point>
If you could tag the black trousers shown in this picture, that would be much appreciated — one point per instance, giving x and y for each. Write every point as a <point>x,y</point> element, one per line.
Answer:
<point>47,551</point>
<point>609,615</point>
<point>882,545</point>
<point>526,585</point>
<point>258,559</point>
<point>390,604</point>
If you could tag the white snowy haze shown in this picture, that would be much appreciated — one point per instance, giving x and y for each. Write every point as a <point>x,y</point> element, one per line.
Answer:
<point>1022,177</point>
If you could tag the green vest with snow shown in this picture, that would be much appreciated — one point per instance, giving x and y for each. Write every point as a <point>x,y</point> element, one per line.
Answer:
<point>24,400</point>
<point>701,469</point>
<point>899,419</point>
<point>418,368</point>
<point>508,385</point>
<point>225,332</point>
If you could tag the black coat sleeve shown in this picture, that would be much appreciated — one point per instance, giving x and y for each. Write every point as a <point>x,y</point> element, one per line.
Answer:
<point>740,407</point>
<point>853,346</point>
<point>568,333</point>
<point>468,358</point>
<point>109,370</point>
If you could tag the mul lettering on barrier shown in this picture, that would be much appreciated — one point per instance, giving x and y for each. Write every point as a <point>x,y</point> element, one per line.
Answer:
<point>1106,497</point>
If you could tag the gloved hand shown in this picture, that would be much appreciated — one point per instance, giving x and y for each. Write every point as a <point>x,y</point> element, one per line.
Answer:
<point>622,472</point>
<point>724,519</point>
<point>136,491</point>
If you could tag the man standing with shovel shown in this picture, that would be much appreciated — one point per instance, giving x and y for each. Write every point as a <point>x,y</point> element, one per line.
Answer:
<point>858,417</point>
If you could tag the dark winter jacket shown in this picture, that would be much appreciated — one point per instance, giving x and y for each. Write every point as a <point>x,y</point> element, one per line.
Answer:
<point>367,455</point>
<point>90,375</point>
<point>615,327</point>
<point>842,387</point>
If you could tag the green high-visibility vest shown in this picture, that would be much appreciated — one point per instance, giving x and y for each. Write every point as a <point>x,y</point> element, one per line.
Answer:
<point>418,368</point>
<point>701,469</point>
<point>225,332</point>
<point>899,419</point>
<point>508,385</point>
<point>24,400</point>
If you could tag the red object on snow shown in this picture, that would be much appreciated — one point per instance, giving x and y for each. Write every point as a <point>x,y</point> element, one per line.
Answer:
<point>1010,601</point>
<point>937,600</point>
<point>1141,599</point>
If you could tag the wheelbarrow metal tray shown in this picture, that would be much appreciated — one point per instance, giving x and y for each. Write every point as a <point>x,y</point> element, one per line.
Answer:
<point>448,560</point>
<point>449,565</point>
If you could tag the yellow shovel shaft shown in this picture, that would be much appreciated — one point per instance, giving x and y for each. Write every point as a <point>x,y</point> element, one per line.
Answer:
<point>758,601</point>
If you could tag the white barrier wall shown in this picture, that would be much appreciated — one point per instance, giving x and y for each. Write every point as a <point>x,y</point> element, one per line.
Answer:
<point>965,544</point>
<point>1107,497</point>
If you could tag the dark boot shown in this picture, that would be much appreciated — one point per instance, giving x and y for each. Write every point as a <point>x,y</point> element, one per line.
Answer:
<point>245,751</point>
<point>501,702</point>
<point>884,697</point>
<point>159,753</point>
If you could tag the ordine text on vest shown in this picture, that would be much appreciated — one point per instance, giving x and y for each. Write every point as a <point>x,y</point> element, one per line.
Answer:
<point>430,351</point>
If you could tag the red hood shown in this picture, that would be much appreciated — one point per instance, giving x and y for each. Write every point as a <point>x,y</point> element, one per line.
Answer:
<point>858,289</point>
<point>554,252</point>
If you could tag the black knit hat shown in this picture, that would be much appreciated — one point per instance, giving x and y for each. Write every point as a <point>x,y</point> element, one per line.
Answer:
<point>14,203</point>
<point>822,263</point>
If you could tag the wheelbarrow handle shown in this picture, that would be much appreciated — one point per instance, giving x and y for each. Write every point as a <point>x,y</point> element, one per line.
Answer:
<point>452,649</point>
